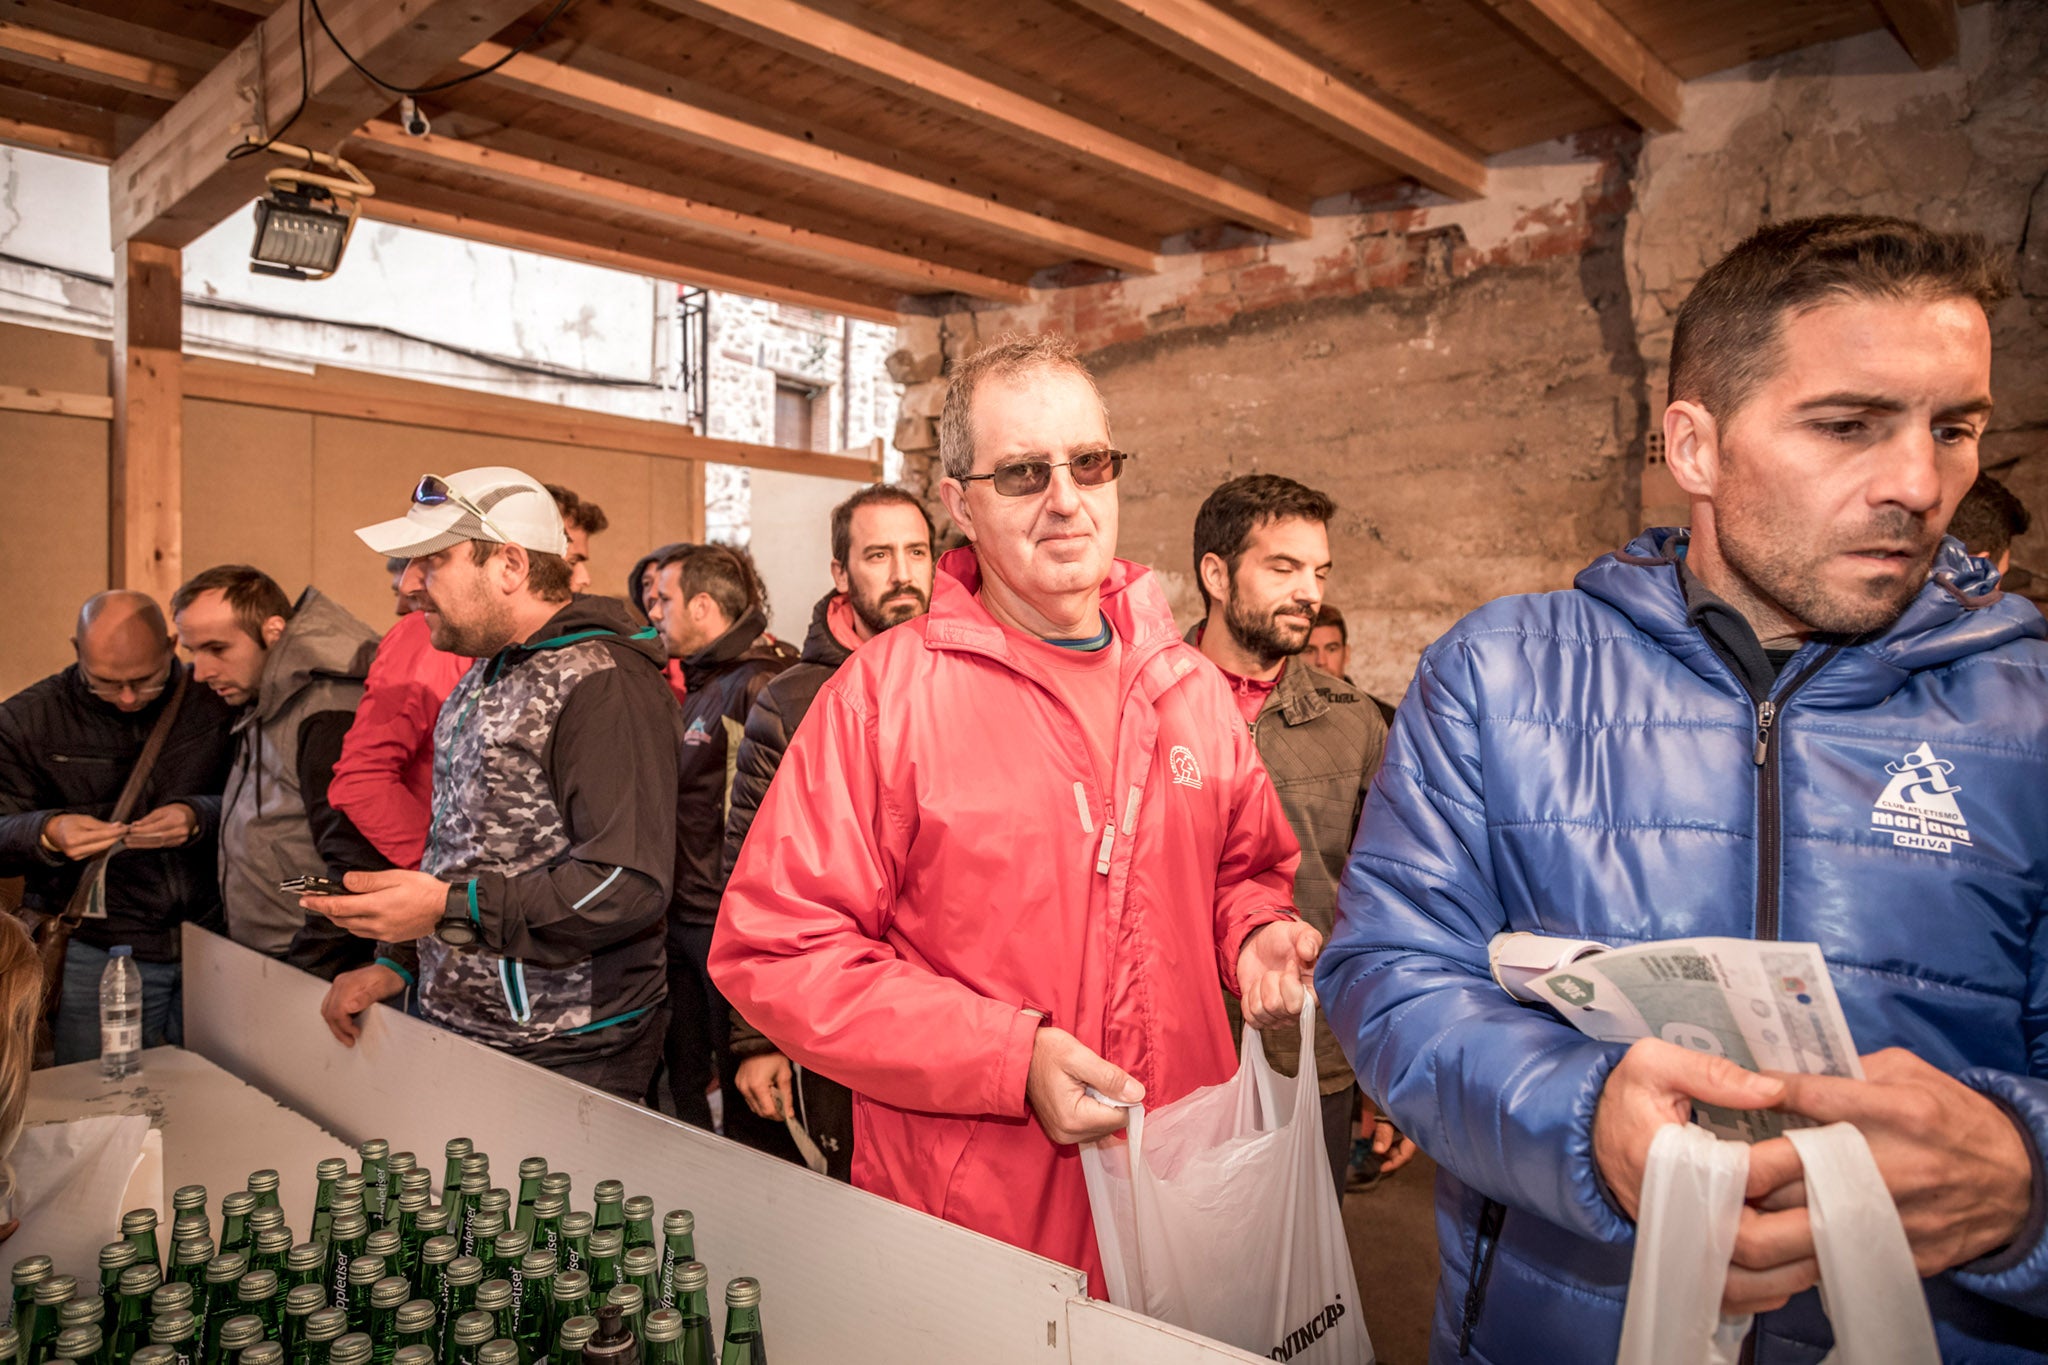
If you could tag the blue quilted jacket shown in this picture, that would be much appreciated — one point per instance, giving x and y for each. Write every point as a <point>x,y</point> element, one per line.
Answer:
<point>1584,764</point>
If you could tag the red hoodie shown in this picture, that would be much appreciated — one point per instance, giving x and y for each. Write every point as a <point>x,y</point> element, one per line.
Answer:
<point>384,781</point>
<point>936,872</point>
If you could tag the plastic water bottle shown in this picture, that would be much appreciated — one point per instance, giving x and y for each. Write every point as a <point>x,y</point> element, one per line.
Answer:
<point>120,1014</point>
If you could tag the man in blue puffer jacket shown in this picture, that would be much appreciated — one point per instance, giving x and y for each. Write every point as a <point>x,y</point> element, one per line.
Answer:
<point>1811,717</point>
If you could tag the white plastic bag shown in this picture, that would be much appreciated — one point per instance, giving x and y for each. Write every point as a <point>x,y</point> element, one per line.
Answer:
<point>1685,1234</point>
<point>1219,1215</point>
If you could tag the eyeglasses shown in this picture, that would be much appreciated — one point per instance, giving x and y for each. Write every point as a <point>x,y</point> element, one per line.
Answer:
<point>1023,478</point>
<point>143,691</point>
<point>433,491</point>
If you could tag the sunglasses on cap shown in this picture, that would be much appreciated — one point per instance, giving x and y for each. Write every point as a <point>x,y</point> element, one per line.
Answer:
<point>434,491</point>
<point>1023,478</point>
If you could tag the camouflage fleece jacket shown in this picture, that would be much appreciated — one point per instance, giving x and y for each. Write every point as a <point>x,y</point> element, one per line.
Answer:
<point>554,822</point>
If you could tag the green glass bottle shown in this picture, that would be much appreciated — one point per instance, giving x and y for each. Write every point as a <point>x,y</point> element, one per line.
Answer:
<point>498,1351</point>
<point>639,1215</point>
<point>477,1163</point>
<point>348,1193</point>
<point>573,1252</point>
<point>29,1272</point>
<point>642,1269</point>
<point>376,1156</point>
<point>570,1340</point>
<point>85,1345</point>
<point>87,1310</point>
<point>532,1171</point>
<point>237,1334</point>
<point>664,1338</point>
<point>265,1218</point>
<point>306,1263</point>
<point>364,1271</point>
<point>409,1207</point>
<point>139,1226</point>
<point>469,1332</point>
<point>558,1184</point>
<point>256,1295</point>
<point>189,1259</point>
<point>678,1247</point>
<point>495,1297</point>
<point>179,1331</point>
<point>451,1179</point>
<point>352,1348</point>
<point>301,1302</point>
<point>115,1257</point>
<point>273,1253</point>
<point>468,1205</point>
<point>632,1306</point>
<point>325,1174</point>
<point>435,1254</point>
<point>218,1303</point>
<point>387,1296</point>
<point>419,1179</point>
<point>349,1239</point>
<point>693,1303</point>
<point>263,1353</point>
<point>535,1303</point>
<point>414,1355</point>
<point>263,1184</point>
<point>743,1344</point>
<point>609,1198</point>
<point>415,1325</point>
<point>496,1200</point>
<point>463,1275</point>
<point>52,1293</point>
<point>547,1223</point>
<point>396,1168</point>
<point>131,1310</point>
<point>323,1329</point>
<point>186,1226</point>
<point>607,1249</point>
<point>235,1208</point>
<point>154,1355</point>
<point>384,1242</point>
<point>10,1344</point>
<point>170,1297</point>
<point>506,1251</point>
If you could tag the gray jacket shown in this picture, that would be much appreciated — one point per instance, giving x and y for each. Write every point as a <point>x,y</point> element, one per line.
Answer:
<point>316,668</point>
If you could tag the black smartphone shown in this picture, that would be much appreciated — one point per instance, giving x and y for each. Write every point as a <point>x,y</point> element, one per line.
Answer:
<point>312,884</point>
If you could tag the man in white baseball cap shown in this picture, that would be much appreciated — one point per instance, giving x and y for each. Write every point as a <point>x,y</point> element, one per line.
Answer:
<point>535,922</point>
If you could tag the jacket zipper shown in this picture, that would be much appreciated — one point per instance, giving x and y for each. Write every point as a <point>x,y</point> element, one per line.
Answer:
<point>1769,835</point>
<point>1491,1215</point>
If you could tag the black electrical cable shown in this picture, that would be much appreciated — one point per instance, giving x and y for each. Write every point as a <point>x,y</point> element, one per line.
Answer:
<point>305,89</point>
<point>373,78</point>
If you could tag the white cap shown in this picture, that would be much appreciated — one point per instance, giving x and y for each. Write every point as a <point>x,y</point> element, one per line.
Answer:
<point>516,508</point>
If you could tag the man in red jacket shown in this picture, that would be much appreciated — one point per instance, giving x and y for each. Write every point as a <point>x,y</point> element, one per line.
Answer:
<point>1016,843</point>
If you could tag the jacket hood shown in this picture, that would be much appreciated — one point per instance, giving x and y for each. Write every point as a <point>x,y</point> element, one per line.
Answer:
<point>821,646</point>
<point>728,648</point>
<point>640,567</point>
<point>1131,598</point>
<point>320,641</point>
<point>590,616</point>
<point>1958,612</point>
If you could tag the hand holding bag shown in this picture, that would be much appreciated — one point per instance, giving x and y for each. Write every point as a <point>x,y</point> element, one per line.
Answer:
<point>1219,1215</point>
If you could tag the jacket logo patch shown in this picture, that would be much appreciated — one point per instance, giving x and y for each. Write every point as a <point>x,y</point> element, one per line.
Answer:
<point>1186,771</point>
<point>1918,806</point>
<point>698,733</point>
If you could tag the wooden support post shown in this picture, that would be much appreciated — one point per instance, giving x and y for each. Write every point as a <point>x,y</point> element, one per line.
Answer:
<point>145,530</point>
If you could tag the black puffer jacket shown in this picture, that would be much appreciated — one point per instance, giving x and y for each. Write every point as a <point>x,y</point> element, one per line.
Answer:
<point>63,749</point>
<point>723,679</point>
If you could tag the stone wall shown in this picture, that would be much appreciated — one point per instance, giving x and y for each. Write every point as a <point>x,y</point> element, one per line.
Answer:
<point>1475,383</point>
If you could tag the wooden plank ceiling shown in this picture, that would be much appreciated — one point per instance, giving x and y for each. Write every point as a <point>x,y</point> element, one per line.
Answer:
<point>846,155</point>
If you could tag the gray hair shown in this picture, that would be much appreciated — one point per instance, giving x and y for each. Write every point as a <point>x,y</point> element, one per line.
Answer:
<point>1007,357</point>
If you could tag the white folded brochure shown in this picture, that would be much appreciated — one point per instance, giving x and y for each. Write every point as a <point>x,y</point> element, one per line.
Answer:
<point>1766,1006</point>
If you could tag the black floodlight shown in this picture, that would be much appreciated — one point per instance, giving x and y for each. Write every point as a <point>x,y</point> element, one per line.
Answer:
<point>303,223</point>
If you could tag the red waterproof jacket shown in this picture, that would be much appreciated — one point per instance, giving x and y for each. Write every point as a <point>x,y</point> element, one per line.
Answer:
<point>384,780</point>
<point>935,873</point>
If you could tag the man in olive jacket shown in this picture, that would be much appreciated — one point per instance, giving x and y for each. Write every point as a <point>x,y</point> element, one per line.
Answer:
<point>1262,553</point>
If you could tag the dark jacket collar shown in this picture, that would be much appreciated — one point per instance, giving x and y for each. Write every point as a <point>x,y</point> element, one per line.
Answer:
<point>727,650</point>
<point>821,646</point>
<point>587,617</point>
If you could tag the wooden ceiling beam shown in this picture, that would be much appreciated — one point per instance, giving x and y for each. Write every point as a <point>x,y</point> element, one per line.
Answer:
<point>522,228</point>
<point>1585,38</point>
<point>582,85</point>
<point>176,182</point>
<point>65,20</point>
<point>71,142</point>
<point>1927,29</point>
<point>561,174</point>
<point>92,62</point>
<point>1232,50</point>
<point>871,49</point>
